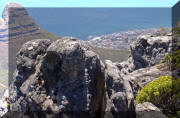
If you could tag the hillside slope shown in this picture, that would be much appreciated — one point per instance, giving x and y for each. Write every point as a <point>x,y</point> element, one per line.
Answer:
<point>110,54</point>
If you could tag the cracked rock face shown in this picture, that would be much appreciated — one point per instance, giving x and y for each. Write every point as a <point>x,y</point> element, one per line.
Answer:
<point>147,51</point>
<point>62,76</point>
<point>119,99</point>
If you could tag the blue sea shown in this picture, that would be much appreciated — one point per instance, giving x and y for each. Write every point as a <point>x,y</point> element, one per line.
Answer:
<point>82,22</point>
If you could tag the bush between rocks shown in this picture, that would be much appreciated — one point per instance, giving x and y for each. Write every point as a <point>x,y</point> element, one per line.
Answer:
<point>163,92</point>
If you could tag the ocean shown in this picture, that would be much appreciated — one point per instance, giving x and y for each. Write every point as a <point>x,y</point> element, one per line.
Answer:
<point>83,22</point>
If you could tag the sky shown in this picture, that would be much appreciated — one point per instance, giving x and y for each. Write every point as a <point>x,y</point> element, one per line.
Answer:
<point>91,3</point>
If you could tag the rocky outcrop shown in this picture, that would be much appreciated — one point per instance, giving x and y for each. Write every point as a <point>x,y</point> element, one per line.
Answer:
<point>131,75</point>
<point>148,110</point>
<point>144,64</point>
<point>62,76</point>
<point>146,51</point>
<point>66,75</point>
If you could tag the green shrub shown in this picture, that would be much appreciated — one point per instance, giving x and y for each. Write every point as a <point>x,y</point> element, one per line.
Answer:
<point>155,90</point>
<point>162,92</point>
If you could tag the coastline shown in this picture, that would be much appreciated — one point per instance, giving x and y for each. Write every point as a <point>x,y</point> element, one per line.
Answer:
<point>119,40</point>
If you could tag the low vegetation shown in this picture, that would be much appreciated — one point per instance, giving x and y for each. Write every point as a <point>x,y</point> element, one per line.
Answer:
<point>154,90</point>
<point>164,92</point>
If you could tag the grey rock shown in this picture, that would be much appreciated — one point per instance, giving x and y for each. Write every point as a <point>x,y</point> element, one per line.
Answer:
<point>136,72</point>
<point>146,51</point>
<point>126,67</point>
<point>62,76</point>
<point>26,60</point>
<point>148,110</point>
<point>119,99</point>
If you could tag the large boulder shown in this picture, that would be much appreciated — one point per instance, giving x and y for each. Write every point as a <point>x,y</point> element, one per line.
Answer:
<point>62,76</point>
